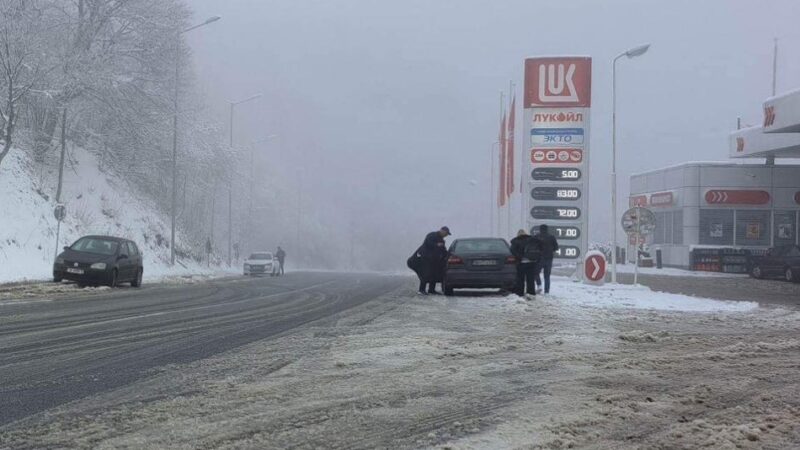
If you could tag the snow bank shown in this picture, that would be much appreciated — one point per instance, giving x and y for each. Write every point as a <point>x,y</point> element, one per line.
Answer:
<point>638,297</point>
<point>96,203</point>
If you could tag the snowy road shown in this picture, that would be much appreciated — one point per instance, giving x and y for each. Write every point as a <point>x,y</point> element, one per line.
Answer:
<point>588,367</point>
<point>56,349</point>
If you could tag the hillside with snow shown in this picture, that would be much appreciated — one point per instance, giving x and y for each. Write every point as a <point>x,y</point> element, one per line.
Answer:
<point>96,203</point>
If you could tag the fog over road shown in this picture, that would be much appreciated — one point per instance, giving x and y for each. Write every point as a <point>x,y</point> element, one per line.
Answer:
<point>56,351</point>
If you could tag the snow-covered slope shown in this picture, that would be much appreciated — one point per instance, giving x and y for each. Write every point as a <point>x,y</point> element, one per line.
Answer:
<point>96,203</point>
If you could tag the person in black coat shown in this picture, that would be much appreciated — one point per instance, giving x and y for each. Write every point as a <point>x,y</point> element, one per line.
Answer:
<point>429,261</point>
<point>527,252</point>
<point>549,246</point>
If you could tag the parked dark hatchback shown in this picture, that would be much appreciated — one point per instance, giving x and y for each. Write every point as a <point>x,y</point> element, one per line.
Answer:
<point>479,263</point>
<point>779,262</point>
<point>96,260</point>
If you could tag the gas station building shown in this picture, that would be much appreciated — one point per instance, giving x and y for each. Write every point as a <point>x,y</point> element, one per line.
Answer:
<point>709,215</point>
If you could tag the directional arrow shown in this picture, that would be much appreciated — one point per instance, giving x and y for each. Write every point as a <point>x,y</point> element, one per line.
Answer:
<point>596,268</point>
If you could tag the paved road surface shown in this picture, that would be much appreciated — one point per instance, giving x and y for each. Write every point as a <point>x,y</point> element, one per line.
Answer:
<point>55,351</point>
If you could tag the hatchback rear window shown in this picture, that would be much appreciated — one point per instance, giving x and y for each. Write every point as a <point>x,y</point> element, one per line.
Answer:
<point>261,256</point>
<point>95,245</point>
<point>481,246</point>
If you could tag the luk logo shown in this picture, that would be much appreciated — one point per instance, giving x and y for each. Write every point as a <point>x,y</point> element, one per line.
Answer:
<point>558,82</point>
<point>769,116</point>
<point>552,83</point>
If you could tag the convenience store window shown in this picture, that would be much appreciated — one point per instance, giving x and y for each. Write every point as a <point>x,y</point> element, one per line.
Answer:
<point>677,227</point>
<point>785,227</point>
<point>716,227</point>
<point>753,227</point>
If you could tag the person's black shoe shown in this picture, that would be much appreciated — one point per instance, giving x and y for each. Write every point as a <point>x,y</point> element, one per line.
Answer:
<point>434,293</point>
<point>422,293</point>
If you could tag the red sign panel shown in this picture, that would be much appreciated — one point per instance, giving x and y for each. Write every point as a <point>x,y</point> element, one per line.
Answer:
<point>638,200</point>
<point>739,144</point>
<point>736,197</point>
<point>556,155</point>
<point>595,267</point>
<point>769,116</point>
<point>558,82</point>
<point>662,199</point>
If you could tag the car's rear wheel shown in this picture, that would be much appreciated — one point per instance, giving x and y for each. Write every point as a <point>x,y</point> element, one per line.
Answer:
<point>114,276</point>
<point>789,274</point>
<point>448,291</point>
<point>755,272</point>
<point>137,282</point>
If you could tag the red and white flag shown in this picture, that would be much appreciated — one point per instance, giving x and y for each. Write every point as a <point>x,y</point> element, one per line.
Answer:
<point>510,155</point>
<point>501,192</point>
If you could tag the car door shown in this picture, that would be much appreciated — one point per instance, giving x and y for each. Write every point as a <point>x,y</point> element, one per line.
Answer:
<point>773,262</point>
<point>792,259</point>
<point>136,259</point>
<point>126,264</point>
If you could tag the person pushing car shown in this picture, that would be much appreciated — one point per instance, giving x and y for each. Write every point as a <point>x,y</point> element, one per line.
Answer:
<point>527,251</point>
<point>549,246</point>
<point>429,261</point>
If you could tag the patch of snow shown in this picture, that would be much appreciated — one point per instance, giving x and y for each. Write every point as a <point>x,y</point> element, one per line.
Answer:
<point>637,297</point>
<point>96,203</point>
<point>674,272</point>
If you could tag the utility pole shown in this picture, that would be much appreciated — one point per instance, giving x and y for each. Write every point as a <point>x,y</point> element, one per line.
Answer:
<point>59,207</point>
<point>173,209</point>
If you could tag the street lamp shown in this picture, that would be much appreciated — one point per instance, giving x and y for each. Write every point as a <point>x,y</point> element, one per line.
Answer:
<point>174,207</point>
<point>632,53</point>
<point>230,179</point>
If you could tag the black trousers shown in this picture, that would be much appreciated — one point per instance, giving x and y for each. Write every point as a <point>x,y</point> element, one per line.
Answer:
<point>547,267</point>
<point>281,268</point>
<point>526,275</point>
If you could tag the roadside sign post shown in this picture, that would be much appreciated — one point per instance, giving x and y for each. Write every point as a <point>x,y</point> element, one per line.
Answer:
<point>60,212</point>
<point>595,267</point>
<point>638,222</point>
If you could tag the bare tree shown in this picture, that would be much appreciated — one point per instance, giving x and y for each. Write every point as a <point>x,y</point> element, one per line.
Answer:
<point>20,63</point>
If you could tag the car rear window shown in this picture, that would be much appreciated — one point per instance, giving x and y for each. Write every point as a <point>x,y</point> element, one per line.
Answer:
<point>481,246</point>
<point>95,245</point>
<point>261,256</point>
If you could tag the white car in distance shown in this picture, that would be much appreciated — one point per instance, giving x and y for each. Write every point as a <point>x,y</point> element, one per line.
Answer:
<point>261,263</point>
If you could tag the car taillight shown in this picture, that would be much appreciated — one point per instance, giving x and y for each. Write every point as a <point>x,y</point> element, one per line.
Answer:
<point>511,260</point>
<point>454,261</point>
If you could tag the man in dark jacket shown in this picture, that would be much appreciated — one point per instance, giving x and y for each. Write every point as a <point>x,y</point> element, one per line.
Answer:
<point>549,246</point>
<point>281,255</point>
<point>429,261</point>
<point>527,251</point>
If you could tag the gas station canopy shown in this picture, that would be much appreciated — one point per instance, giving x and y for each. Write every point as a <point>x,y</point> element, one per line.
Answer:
<point>778,137</point>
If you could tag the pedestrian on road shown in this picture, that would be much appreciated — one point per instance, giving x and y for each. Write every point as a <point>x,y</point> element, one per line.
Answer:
<point>528,253</point>
<point>429,261</point>
<point>549,246</point>
<point>281,255</point>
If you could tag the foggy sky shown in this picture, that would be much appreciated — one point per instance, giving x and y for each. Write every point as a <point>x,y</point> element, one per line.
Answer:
<point>389,108</point>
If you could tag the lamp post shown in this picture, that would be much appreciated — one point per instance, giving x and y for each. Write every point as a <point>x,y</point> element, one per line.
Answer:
<point>174,207</point>
<point>492,197</point>
<point>632,53</point>
<point>230,179</point>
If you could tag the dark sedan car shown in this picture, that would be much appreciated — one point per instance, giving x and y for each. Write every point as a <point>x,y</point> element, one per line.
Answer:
<point>779,262</point>
<point>96,260</point>
<point>479,263</point>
